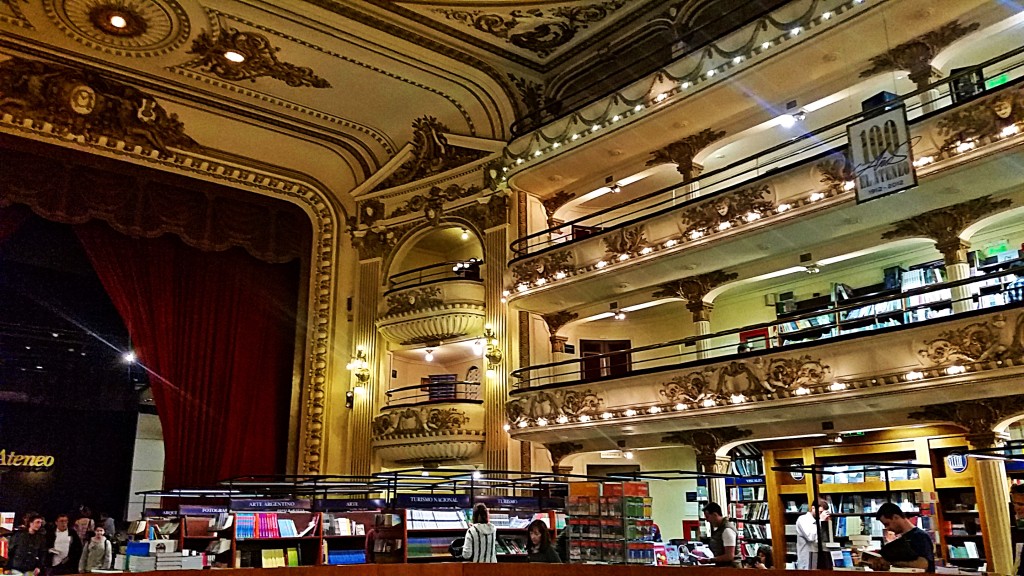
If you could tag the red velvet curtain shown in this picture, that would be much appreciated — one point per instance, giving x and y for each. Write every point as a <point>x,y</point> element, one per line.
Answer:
<point>216,332</point>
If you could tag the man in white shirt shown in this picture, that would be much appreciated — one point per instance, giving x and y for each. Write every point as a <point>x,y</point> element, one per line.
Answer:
<point>62,546</point>
<point>807,535</point>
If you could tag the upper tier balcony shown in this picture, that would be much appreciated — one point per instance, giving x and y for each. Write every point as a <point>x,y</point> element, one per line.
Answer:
<point>430,422</point>
<point>864,366</point>
<point>434,303</point>
<point>802,191</point>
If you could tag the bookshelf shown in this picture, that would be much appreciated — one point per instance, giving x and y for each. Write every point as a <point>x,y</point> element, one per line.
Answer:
<point>344,536</point>
<point>611,523</point>
<point>386,542</point>
<point>747,500</point>
<point>277,539</point>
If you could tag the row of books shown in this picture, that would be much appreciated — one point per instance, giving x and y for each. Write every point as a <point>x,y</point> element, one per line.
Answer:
<point>437,520</point>
<point>345,557</point>
<point>503,520</point>
<point>341,526</point>
<point>419,546</point>
<point>746,467</point>
<point>511,545</point>
<point>966,550</point>
<point>748,510</point>
<point>856,474</point>
<point>269,525</point>
<point>858,504</point>
<point>161,561</point>
<point>756,531</point>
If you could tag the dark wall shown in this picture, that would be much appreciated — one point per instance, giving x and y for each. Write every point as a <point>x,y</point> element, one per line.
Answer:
<point>92,459</point>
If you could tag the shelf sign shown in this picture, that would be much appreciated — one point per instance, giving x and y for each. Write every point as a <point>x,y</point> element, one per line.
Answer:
<point>432,501</point>
<point>159,513</point>
<point>508,502</point>
<point>269,504</point>
<point>797,475</point>
<point>196,510</point>
<point>351,504</point>
<point>957,462</point>
<point>880,154</point>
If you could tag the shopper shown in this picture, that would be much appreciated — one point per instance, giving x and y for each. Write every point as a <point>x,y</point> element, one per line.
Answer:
<point>97,554</point>
<point>723,538</point>
<point>481,538</point>
<point>28,546</point>
<point>763,560</point>
<point>807,531</point>
<point>912,549</point>
<point>539,548</point>
<point>64,546</point>
<point>1017,499</point>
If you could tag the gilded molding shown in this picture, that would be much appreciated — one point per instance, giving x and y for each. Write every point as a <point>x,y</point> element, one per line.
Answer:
<point>836,171</point>
<point>707,442</point>
<point>154,27</point>
<point>531,95</point>
<point>983,120</point>
<point>555,321</point>
<point>543,267</point>
<point>630,240</point>
<point>916,55</point>
<point>538,30</point>
<point>985,341</point>
<point>10,13</point>
<point>682,152</point>
<point>490,211</point>
<point>756,377</point>
<point>414,301</point>
<point>550,405</point>
<point>559,451</point>
<point>553,203</point>
<point>728,210</point>
<point>432,154</point>
<point>418,421</point>
<point>694,288</point>
<point>81,103</point>
<point>978,417</point>
<point>432,203</point>
<point>260,59</point>
<point>944,225</point>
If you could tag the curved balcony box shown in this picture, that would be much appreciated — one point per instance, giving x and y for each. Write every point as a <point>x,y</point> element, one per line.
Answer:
<point>445,432</point>
<point>432,312</point>
<point>869,376</point>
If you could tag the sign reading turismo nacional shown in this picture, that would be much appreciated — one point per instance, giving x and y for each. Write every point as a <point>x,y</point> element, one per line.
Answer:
<point>11,459</point>
<point>880,151</point>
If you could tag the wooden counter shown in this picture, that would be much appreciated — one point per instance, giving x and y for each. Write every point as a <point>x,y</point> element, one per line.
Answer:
<point>500,569</point>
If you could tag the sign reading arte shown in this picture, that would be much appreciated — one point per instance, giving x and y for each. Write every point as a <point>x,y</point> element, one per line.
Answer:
<point>880,152</point>
<point>12,459</point>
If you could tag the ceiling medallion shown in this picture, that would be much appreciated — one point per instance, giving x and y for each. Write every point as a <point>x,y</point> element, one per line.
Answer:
<point>236,55</point>
<point>122,27</point>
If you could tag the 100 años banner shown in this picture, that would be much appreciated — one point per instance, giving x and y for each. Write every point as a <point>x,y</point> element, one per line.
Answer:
<point>880,151</point>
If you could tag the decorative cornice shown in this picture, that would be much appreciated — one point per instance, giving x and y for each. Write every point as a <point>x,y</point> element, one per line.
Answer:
<point>916,55</point>
<point>81,103</point>
<point>560,450</point>
<point>260,59</point>
<point>14,14</point>
<point>413,300</point>
<point>628,240</point>
<point>551,264</point>
<point>432,154</point>
<point>531,95</point>
<point>983,341</point>
<point>725,211</point>
<point>944,225</point>
<point>694,288</point>
<point>682,152</point>
<point>556,320</point>
<point>417,421</point>
<point>978,417</point>
<point>836,172</point>
<point>538,30</point>
<point>554,404</point>
<point>707,442</point>
<point>982,121</point>
<point>153,27</point>
<point>490,211</point>
<point>552,204</point>
<point>432,203</point>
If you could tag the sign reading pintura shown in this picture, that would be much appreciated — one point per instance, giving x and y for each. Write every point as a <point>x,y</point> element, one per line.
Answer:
<point>12,459</point>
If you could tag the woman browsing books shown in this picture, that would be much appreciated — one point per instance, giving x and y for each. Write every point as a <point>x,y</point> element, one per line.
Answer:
<point>540,549</point>
<point>481,538</point>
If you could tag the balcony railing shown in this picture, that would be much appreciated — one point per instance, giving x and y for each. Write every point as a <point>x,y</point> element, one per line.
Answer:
<point>1008,66</point>
<point>432,273</point>
<point>892,311</point>
<point>433,393</point>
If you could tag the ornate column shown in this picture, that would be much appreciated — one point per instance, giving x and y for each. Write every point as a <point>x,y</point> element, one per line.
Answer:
<point>944,226</point>
<point>915,56</point>
<point>681,153</point>
<point>365,336</point>
<point>495,388</point>
<point>978,418</point>
<point>693,290</point>
<point>706,445</point>
<point>555,321</point>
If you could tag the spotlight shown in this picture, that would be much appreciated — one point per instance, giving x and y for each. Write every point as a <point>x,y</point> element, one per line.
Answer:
<point>620,315</point>
<point>477,474</point>
<point>628,454</point>
<point>465,234</point>
<point>236,57</point>
<point>429,356</point>
<point>616,189</point>
<point>787,120</point>
<point>506,427</point>
<point>128,358</point>
<point>118,21</point>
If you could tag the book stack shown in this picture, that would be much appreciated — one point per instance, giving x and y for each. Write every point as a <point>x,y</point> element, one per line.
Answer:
<point>439,520</point>
<point>276,558</point>
<point>179,561</point>
<point>345,557</point>
<point>135,563</point>
<point>511,545</point>
<point>422,547</point>
<point>341,526</point>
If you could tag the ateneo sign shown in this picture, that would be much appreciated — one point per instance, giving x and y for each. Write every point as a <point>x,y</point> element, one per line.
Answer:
<point>880,151</point>
<point>14,460</point>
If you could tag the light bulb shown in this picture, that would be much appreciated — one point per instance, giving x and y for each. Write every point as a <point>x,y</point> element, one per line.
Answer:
<point>429,356</point>
<point>628,454</point>
<point>235,57</point>
<point>129,357</point>
<point>118,21</point>
<point>465,234</point>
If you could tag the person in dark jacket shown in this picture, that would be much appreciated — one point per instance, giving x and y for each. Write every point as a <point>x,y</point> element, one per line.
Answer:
<point>64,547</point>
<point>28,546</point>
<point>540,549</point>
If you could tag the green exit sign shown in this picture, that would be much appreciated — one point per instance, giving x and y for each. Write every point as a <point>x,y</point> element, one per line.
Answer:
<point>996,81</point>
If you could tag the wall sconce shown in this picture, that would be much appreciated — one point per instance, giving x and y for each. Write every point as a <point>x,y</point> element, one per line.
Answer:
<point>492,352</point>
<point>359,366</point>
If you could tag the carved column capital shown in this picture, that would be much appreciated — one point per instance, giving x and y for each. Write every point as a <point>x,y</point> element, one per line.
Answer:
<point>562,469</point>
<point>552,204</point>
<point>707,442</point>
<point>555,321</point>
<point>558,343</point>
<point>560,450</point>
<point>681,152</point>
<point>987,439</point>
<point>694,289</point>
<point>916,55</point>
<point>716,465</point>
<point>944,225</point>
<point>977,417</point>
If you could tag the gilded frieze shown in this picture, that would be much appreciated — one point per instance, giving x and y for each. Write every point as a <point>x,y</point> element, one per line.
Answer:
<point>432,203</point>
<point>258,59</point>
<point>982,121</point>
<point>539,30</point>
<point>81,103</point>
<point>543,267</point>
<point>553,404</point>
<point>729,209</point>
<point>431,154</point>
<point>682,152</point>
<point>418,421</point>
<point>630,240</point>
<point>916,55</point>
<point>414,300</point>
<point>552,204</point>
<point>836,171</point>
<point>989,340</point>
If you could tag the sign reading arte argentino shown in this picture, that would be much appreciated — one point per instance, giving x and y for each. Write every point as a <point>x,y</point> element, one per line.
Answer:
<point>12,459</point>
<point>880,151</point>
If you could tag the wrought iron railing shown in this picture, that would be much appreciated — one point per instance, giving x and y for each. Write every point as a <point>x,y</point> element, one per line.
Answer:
<point>892,310</point>
<point>454,270</point>
<point>433,393</point>
<point>811,145</point>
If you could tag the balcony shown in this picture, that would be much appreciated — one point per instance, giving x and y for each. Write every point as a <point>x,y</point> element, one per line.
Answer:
<point>434,303</point>
<point>431,422</point>
<point>801,189</point>
<point>869,363</point>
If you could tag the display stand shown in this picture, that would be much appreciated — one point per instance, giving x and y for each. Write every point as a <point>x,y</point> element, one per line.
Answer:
<point>610,522</point>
